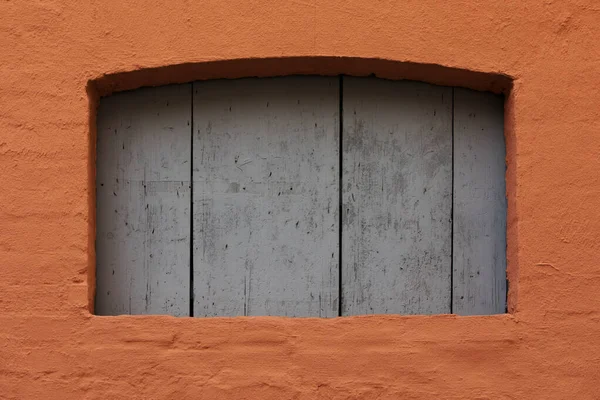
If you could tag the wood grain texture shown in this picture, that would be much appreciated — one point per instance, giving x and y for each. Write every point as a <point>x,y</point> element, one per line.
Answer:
<point>397,165</point>
<point>143,202</point>
<point>266,178</point>
<point>479,257</point>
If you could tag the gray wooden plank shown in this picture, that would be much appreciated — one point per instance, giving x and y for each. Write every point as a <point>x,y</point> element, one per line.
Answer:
<point>396,228</point>
<point>143,202</point>
<point>479,256</point>
<point>265,191</point>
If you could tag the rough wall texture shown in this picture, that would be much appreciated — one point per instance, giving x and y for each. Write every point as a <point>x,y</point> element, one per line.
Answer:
<point>57,56</point>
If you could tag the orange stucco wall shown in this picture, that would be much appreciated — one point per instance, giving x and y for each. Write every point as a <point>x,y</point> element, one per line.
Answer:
<point>58,56</point>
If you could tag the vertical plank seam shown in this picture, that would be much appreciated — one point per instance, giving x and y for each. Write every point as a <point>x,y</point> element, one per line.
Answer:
<point>340,189</point>
<point>191,283</point>
<point>452,219</point>
<point>505,233</point>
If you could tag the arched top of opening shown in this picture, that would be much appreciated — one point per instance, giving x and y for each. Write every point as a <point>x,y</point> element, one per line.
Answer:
<point>328,66</point>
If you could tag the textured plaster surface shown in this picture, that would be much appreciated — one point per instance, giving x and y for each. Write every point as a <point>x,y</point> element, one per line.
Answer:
<point>57,57</point>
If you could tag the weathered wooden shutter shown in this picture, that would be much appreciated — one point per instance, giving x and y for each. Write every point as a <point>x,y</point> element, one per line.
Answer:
<point>266,197</point>
<point>397,196</point>
<point>143,202</point>
<point>479,251</point>
<point>417,169</point>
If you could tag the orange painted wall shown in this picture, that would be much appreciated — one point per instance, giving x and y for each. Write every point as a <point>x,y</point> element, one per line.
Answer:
<point>58,56</point>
